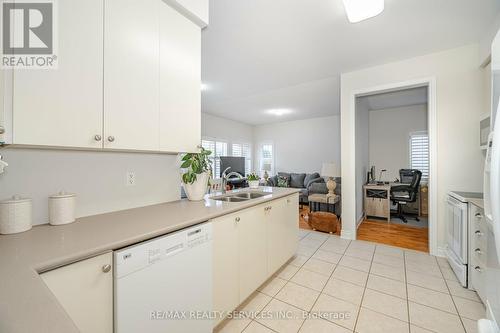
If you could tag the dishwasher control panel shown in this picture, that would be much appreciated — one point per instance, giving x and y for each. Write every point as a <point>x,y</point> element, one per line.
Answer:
<point>139,256</point>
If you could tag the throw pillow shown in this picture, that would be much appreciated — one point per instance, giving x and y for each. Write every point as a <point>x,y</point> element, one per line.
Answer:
<point>310,177</point>
<point>297,180</point>
<point>282,181</point>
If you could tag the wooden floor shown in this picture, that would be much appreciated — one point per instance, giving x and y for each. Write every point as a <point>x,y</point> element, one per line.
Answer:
<point>394,234</point>
<point>385,233</point>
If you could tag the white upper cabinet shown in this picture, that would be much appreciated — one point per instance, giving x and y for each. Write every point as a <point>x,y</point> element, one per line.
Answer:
<point>131,78</point>
<point>180,82</point>
<point>128,78</point>
<point>63,106</point>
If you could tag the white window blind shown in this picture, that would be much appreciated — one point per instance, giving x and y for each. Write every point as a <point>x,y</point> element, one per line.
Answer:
<point>419,153</point>
<point>218,149</point>
<point>267,157</point>
<point>243,150</point>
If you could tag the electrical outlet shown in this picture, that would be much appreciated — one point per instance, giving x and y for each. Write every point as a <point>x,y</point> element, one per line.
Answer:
<point>130,178</point>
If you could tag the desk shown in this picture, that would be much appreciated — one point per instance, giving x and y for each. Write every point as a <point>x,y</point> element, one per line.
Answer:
<point>377,200</point>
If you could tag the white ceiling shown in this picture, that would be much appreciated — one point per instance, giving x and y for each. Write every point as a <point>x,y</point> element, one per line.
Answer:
<point>396,99</point>
<point>267,54</point>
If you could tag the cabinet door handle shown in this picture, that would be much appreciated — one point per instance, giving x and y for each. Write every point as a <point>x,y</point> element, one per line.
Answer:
<point>106,268</point>
<point>237,219</point>
<point>478,251</point>
<point>97,137</point>
<point>2,130</point>
<point>478,233</point>
<point>111,138</point>
<point>479,215</point>
<point>477,268</point>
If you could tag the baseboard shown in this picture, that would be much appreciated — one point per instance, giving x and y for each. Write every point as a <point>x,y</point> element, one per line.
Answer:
<point>360,220</point>
<point>441,252</point>
<point>346,234</point>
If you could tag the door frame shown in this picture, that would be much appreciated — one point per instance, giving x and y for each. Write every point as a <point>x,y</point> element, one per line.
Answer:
<point>430,83</point>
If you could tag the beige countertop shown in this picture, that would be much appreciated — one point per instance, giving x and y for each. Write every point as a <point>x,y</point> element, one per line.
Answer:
<point>27,305</point>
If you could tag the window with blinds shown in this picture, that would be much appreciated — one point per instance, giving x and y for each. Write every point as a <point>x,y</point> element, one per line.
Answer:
<point>419,153</point>
<point>243,150</point>
<point>267,158</point>
<point>218,149</point>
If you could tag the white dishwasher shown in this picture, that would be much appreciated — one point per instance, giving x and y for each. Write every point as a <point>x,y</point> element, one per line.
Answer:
<point>165,284</point>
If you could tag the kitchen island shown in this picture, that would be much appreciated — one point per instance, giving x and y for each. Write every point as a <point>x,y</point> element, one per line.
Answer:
<point>27,304</point>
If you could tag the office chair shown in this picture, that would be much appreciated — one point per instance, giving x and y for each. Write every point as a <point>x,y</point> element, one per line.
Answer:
<point>403,194</point>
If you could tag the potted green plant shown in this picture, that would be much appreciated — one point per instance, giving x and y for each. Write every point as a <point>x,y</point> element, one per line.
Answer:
<point>197,170</point>
<point>253,180</point>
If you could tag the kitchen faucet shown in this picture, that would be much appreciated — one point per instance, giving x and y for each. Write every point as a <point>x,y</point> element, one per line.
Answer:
<point>225,177</point>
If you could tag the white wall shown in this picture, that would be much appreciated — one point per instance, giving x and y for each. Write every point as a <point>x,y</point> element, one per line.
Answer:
<point>222,128</point>
<point>487,40</point>
<point>389,137</point>
<point>97,178</point>
<point>362,153</point>
<point>459,87</point>
<point>302,145</point>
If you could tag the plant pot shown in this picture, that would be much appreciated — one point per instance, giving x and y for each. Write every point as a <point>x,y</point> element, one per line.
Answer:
<point>197,190</point>
<point>253,183</point>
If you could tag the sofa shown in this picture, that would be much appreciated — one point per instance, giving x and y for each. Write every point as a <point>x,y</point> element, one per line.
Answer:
<point>302,181</point>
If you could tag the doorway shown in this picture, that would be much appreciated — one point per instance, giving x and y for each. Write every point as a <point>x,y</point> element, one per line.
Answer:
<point>394,165</point>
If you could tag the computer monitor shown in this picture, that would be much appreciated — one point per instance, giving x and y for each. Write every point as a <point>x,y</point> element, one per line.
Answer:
<point>237,164</point>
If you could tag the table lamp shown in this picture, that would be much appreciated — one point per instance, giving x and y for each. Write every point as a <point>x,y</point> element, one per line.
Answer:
<point>266,167</point>
<point>331,171</point>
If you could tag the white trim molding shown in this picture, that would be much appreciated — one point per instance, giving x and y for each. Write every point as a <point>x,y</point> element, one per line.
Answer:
<point>430,83</point>
<point>347,234</point>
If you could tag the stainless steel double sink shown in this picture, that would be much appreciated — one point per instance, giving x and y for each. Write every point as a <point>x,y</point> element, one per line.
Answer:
<point>239,197</point>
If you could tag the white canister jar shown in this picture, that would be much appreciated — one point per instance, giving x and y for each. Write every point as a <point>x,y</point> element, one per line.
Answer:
<point>15,215</point>
<point>62,208</point>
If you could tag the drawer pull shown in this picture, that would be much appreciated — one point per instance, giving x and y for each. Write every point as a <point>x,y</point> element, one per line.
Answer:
<point>479,215</point>
<point>479,269</point>
<point>237,219</point>
<point>479,233</point>
<point>106,268</point>
<point>478,251</point>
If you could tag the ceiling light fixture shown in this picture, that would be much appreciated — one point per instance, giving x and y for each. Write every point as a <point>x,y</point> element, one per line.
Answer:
<point>359,10</point>
<point>279,112</point>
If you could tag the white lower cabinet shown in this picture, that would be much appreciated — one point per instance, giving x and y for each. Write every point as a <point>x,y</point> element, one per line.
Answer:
<point>249,247</point>
<point>282,221</point>
<point>85,291</point>
<point>225,264</point>
<point>292,225</point>
<point>252,239</point>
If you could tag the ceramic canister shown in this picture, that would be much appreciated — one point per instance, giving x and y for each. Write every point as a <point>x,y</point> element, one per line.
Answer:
<point>15,215</point>
<point>62,208</point>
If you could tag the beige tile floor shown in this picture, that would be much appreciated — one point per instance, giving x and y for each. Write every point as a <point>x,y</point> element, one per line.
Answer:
<point>359,287</point>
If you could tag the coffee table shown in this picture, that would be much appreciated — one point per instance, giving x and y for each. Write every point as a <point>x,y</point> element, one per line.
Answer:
<point>315,201</point>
